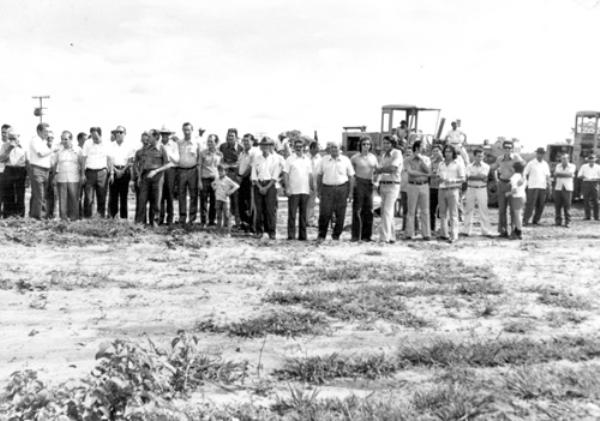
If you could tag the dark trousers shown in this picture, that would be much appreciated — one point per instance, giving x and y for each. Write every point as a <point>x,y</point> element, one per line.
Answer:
<point>12,194</point>
<point>433,207</point>
<point>297,203</point>
<point>503,206</point>
<point>39,186</point>
<point>95,184</point>
<point>207,202</point>
<point>187,183</point>
<point>167,196</point>
<point>244,202</point>
<point>266,211</point>
<point>333,204</point>
<point>536,199</point>
<point>150,189</point>
<point>562,204</point>
<point>362,210</point>
<point>51,196</point>
<point>68,200</point>
<point>590,198</point>
<point>117,196</point>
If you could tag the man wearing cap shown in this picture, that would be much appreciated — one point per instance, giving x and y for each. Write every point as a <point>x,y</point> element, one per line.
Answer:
<point>39,163</point>
<point>564,173</point>
<point>537,174</point>
<point>231,150</point>
<point>188,174</point>
<point>13,184</point>
<point>418,170</point>
<point>589,174</point>
<point>97,165</point>
<point>365,164</point>
<point>503,170</point>
<point>335,185</point>
<point>477,181</point>
<point>265,173</point>
<point>168,187</point>
<point>153,160</point>
<point>122,163</point>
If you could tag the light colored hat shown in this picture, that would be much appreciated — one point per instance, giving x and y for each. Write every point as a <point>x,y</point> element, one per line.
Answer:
<point>164,129</point>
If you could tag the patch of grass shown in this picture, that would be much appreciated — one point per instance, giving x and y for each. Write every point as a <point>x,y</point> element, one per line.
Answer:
<point>319,369</point>
<point>560,298</point>
<point>452,401</point>
<point>521,326</point>
<point>493,353</point>
<point>349,271</point>
<point>283,322</point>
<point>561,318</point>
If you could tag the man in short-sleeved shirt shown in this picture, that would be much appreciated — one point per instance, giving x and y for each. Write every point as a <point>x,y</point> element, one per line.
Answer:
<point>122,161</point>
<point>564,173</point>
<point>298,184</point>
<point>537,174</point>
<point>589,173</point>
<point>188,174</point>
<point>98,167</point>
<point>503,169</point>
<point>365,164</point>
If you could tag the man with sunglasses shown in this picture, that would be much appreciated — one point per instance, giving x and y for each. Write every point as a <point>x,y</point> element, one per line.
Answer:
<point>503,170</point>
<point>365,164</point>
<point>122,160</point>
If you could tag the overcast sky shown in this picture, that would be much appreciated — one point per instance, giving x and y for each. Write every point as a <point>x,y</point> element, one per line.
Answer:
<point>511,68</point>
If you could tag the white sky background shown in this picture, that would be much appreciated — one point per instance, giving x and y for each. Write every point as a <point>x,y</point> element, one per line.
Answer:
<point>511,68</point>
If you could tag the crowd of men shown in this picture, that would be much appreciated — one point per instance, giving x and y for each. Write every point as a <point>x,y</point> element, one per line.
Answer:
<point>212,181</point>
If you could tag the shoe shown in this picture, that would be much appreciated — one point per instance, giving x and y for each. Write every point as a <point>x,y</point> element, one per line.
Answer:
<point>587,219</point>
<point>335,238</point>
<point>391,241</point>
<point>367,240</point>
<point>290,239</point>
<point>354,240</point>
<point>503,235</point>
<point>567,226</point>
<point>426,238</point>
<point>463,234</point>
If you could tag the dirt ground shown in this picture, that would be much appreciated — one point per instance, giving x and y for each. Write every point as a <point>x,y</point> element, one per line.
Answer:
<point>63,294</point>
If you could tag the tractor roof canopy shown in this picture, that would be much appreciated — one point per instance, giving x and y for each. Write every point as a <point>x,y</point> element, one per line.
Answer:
<point>405,107</point>
<point>588,114</point>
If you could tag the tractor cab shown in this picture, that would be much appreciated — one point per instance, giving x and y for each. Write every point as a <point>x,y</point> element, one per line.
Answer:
<point>587,135</point>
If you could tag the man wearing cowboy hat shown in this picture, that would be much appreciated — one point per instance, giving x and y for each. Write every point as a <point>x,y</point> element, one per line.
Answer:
<point>168,188</point>
<point>265,173</point>
<point>122,160</point>
<point>589,173</point>
<point>13,183</point>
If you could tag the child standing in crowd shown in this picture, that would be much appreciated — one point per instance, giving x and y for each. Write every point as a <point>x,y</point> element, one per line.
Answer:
<point>223,187</point>
<point>517,199</point>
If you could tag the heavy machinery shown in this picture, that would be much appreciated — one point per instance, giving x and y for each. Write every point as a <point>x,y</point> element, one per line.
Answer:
<point>391,116</point>
<point>586,141</point>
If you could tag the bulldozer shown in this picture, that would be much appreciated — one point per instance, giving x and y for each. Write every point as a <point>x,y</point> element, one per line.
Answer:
<point>391,117</point>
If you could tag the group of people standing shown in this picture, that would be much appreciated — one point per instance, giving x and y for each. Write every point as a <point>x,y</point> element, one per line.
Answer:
<point>240,178</point>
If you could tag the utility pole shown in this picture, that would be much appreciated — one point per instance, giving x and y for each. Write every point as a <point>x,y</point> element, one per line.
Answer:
<point>38,112</point>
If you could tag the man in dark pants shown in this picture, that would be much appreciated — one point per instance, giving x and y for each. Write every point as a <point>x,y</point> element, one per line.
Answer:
<point>434,182</point>
<point>122,160</point>
<point>98,173</point>
<point>151,161</point>
<point>364,164</point>
<point>81,138</point>
<point>188,174</point>
<point>4,145</point>
<point>136,175</point>
<point>245,159</point>
<point>265,173</point>
<point>503,170</point>
<point>298,182</point>
<point>168,187</point>
<point>335,186</point>
<point>589,173</point>
<point>230,151</point>
<point>13,187</point>
<point>51,196</point>
<point>564,173</point>
<point>39,167</point>
<point>537,173</point>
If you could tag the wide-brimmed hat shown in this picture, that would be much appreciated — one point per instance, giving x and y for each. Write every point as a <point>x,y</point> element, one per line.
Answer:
<point>119,129</point>
<point>266,141</point>
<point>540,150</point>
<point>164,130</point>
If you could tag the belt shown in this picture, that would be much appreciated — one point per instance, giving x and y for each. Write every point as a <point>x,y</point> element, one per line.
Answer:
<point>186,168</point>
<point>335,185</point>
<point>504,180</point>
<point>591,181</point>
<point>40,167</point>
<point>264,181</point>
<point>14,166</point>
<point>95,169</point>
<point>476,187</point>
<point>364,180</point>
<point>449,188</point>
<point>418,183</point>
<point>389,182</point>
<point>119,167</point>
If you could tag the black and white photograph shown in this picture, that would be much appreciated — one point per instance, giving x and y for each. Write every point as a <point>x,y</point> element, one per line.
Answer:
<point>299,210</point>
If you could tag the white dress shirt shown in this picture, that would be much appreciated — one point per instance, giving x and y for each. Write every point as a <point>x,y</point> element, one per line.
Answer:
<point>16,157</point>
<point>473,170</point>
<point>120,154</point>
<point>40,154</point>
<point>246,159</point>
<point>564,175</point>
<point>589,173</point>
<point>336,171</point>
<point>517,189</point>
<point>299,170</point>
<point>537,173</point>
<point>393,159</point>
<point>266,169</point>
<point>451,175</point>
<point>172,151</point>
<point>96,155</point>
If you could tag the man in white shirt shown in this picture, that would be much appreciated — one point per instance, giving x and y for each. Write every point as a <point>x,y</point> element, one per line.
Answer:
<point>3,150</point>
<point>564,173</point>
<point>451,173</point>
<point>246,159</point>
<point>537,174</point>
<point>389,170</point>
<point>167,195</point>
<point>265,173</point>
<point>39,163</point>
<point>122,162</point>
<point>13,178</point>
<point>298,184</point>
<point>477,179</point>
<point>456,137</point>
<point>589,174</point>
<point>97,165</point>
<point>335,186</point>
<point>188,174</point>
<point>315,160</point>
